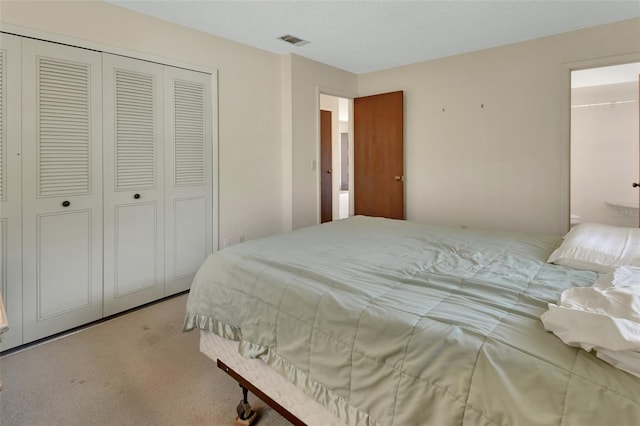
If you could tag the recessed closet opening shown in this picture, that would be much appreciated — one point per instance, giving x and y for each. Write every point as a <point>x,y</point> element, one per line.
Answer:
<point>107,183</point>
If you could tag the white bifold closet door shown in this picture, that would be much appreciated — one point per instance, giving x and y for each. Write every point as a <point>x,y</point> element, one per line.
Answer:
<point>62,187</point>
<point>10,193</point>
<point>133,149</point>
<point>158,180</point>
<point>188,175</point>
<point>106,184</point>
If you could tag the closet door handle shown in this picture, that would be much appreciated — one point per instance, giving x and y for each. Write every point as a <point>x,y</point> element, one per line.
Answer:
<point>136,196</point>
<point>66,203</point>
<point>635,184</point>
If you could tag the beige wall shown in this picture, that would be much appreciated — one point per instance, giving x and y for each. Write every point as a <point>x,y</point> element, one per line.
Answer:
<point>487,132</point>
<point>249,91</point>
<point>308,80</point>
<point>496,157</point>
<point>268,107</point>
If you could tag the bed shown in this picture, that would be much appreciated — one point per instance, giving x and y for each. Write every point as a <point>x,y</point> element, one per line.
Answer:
<point>385,322</point>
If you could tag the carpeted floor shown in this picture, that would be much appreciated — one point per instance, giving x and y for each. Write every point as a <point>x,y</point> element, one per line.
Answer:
<point>135,369</point>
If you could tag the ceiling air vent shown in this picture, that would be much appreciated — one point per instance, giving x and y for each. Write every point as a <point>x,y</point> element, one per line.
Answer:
<point>293,40</point>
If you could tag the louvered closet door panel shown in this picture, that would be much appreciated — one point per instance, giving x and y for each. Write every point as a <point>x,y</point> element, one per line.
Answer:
<point>188,168</point>
<point>134,183</point>
<point>62,187</point>
<point>10,188</point>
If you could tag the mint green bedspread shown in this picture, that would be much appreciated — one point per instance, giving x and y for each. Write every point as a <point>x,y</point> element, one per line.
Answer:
<point>389,322</point>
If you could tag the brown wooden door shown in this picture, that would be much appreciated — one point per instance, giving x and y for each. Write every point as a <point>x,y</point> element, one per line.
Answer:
<point>378,157</point>
<point>326,204</point>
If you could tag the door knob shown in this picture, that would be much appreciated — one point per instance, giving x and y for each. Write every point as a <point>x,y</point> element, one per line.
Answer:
<point>136,196</point>
<point>635,184</point>
<point>396,177</point>
<point>66,203</point>
<point>329,171</point>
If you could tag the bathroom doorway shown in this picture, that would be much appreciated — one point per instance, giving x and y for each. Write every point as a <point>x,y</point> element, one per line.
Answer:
<point>605,154</point>
<point>335,171</point>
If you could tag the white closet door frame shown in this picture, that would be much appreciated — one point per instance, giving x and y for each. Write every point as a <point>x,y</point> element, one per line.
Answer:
<point>62,187</point>
<point>189,187</point>
<point>42,315</point>
<point>11,187</point>
<point>133,147</point>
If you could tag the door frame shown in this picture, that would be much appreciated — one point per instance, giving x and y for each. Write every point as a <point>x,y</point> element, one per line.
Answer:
<point>564,213</point>
<point>337,94</point>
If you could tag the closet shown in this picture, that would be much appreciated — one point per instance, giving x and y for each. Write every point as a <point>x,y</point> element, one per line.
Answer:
<point>106,183</point>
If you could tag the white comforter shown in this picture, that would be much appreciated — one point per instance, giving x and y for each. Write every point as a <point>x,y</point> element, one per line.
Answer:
<point>604,317</point>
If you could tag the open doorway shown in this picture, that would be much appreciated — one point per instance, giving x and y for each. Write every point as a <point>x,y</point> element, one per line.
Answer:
<point>335,168</point>
<point>605,145</point>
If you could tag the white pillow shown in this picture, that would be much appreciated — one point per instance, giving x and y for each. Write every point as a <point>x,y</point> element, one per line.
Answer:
<point>599,248</point>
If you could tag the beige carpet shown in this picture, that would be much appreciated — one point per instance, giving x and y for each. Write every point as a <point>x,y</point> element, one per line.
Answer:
<point>136,369</point>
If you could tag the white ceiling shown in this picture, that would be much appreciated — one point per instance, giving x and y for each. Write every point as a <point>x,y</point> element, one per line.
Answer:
<point>363,36</point>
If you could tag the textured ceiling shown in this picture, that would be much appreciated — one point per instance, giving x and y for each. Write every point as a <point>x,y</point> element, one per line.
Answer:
<point>363,36</point>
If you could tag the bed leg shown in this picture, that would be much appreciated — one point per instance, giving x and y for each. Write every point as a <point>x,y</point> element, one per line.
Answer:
<point>246,416</point>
